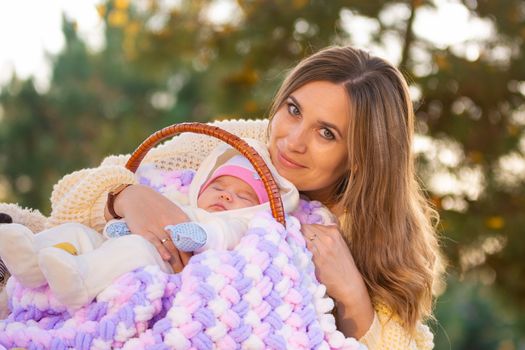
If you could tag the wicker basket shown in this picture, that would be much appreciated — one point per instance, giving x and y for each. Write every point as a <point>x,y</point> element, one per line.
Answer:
<point>236,142</point>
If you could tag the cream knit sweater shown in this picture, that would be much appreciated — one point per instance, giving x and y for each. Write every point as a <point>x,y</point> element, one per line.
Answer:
<point>81,197</point>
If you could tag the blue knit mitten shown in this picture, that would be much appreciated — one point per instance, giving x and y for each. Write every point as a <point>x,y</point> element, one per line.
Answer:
<point>187,236</point>
<point>116,228</point>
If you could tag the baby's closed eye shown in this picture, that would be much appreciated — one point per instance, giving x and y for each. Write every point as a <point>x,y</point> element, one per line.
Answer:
<point>248,197</point>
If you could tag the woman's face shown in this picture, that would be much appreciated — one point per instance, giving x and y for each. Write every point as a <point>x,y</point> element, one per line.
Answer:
<point>308,138</point>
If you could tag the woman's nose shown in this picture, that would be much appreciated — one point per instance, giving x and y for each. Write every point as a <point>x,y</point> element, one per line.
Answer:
<point>296,140</point>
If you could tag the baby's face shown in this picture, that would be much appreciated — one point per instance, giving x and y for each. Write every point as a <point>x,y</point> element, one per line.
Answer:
<point>227,193</point>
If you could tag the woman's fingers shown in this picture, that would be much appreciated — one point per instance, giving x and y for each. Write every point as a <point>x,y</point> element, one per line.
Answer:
<point>157,242</point>
<point>334,264</point>
<point>176,262</point>
<point>168,251</point>
<point>167,242</point>
<point>185,257</point>
<point>174,258</point>
<point>322,242</point>
<point>314,249</point>
<point>313,244</point>
<point>311,235</point>
<point>147,212</point>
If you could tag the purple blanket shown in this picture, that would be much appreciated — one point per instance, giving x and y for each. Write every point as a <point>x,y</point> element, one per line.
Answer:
<point>261,295</point>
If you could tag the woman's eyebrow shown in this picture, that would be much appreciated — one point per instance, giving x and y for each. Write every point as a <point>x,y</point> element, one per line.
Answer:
<point>296,103</point>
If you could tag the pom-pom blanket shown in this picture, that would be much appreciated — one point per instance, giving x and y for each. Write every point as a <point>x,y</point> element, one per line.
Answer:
<point>261,295</point>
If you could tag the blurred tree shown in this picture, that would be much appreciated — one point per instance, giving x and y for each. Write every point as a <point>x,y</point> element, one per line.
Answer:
<point>475,104</point>
<point>472,316</point>
<point>194,60</point>
<point>96,104</point>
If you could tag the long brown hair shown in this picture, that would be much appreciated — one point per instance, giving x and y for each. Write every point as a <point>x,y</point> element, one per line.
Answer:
<point>388,224</point>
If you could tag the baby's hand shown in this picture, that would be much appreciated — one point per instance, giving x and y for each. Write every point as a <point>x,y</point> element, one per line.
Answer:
<point>187,236</point>
<point>116,228</point>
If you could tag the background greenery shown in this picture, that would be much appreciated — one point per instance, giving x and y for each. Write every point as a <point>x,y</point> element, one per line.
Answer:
<point>164,64</point>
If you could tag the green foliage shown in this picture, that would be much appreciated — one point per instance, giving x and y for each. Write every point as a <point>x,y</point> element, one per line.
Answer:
<point>97,104</point>
<point>162,65</point>
<point>471,316</point>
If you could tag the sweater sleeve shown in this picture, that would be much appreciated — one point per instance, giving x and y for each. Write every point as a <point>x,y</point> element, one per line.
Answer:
<point>81,196</point>
<point>386,332</point>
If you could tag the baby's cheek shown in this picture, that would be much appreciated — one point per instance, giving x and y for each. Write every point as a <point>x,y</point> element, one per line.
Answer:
<point>201,201</point>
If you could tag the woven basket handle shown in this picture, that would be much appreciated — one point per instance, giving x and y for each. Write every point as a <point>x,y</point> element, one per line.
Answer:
<point>236,142</point>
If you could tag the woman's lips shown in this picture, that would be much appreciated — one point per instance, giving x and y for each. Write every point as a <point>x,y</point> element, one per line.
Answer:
<point>287,162</point>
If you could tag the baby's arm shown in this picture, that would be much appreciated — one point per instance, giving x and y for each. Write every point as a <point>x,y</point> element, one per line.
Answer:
<point>223,233</point>
<point>213,233</point>
<point>205,231</point>
<point>187,236</point>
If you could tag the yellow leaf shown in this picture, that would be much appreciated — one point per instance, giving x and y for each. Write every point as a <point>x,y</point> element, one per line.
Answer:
<point>117,18</point>
<point>129,48</point>
<point>476,156</point>
<point>495,222</point>
<point>101,9</point>
<point>513,130</point>
<point>441,61</point>
<point>299,4</point>
<point>121,4</point>
<point>250,106</point>
<point>132,28</point>
<point>250,76</point>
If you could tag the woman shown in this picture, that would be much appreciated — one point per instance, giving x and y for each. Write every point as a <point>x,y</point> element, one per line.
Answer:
<point>340,130</point>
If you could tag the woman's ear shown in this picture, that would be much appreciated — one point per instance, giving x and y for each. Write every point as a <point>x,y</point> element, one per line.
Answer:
<point>351,167</point>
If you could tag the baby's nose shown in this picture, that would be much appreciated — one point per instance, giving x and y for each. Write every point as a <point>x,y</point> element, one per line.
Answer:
<point>226,196</point>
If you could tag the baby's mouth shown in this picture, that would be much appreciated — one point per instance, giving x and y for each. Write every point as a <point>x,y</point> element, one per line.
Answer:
<point>217,207</point>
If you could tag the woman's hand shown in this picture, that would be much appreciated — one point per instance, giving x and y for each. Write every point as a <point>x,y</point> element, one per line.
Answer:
<point>336,269</point>
<point>147,212</point>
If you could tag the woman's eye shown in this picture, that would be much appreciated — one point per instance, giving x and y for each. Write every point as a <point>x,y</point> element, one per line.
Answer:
<point>292,109</point>
<point>327,134</point>
<point>216,188</point>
